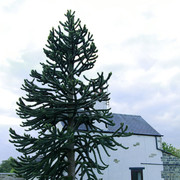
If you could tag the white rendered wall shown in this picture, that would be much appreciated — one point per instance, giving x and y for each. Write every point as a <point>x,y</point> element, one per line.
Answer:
<point>142,149</point>
<point>101,105</point>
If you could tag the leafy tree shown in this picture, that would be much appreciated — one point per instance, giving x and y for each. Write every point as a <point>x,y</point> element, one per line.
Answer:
<point>6,165</point>
<point>58,96</point>
<point>171,149</point>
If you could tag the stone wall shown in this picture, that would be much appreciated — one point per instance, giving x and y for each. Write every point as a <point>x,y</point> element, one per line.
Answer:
<point>171,167</point>
<point>9,176</point>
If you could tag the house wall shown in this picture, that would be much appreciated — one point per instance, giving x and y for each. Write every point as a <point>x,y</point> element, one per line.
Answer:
<point>142,153</point>
<point>171,169</point>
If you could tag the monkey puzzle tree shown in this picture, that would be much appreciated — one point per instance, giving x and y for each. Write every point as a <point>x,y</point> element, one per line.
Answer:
<point>58,96</point>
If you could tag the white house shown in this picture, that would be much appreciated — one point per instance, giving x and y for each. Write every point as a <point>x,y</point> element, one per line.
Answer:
<point>142,161</point>
<point>143,158</point>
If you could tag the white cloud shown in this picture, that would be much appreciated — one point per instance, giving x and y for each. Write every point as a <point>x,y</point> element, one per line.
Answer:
<point>9,120</point>
<point>8,99</point>
<point>138,41</point>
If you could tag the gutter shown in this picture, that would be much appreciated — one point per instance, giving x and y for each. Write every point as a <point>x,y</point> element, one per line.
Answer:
<point>161,149</point>
<point>166,164</point>
<point>160,164</point>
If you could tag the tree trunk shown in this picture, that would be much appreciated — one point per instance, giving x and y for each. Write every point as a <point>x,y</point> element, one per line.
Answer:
<point>71,160</point>
<point>71,154</point>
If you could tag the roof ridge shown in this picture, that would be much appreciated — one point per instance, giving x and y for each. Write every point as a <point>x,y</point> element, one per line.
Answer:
<point>127,114</point>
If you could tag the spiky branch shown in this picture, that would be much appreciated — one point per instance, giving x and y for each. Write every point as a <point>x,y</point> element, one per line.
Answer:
<point>57,96</point>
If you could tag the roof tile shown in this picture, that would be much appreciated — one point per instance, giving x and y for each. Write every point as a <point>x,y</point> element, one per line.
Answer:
<point>136,124</point>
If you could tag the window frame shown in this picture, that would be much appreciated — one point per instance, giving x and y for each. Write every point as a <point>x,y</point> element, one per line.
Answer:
<point>137,169</point>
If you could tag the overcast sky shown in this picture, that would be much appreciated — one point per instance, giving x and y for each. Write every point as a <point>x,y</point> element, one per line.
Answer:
<point>138,41</point>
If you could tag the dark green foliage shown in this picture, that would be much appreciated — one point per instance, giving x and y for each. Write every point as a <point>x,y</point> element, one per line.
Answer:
<point>6,165</point>
<point>57,95</point>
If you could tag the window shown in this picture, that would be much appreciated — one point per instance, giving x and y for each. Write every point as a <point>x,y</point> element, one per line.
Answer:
<point>137,173</point>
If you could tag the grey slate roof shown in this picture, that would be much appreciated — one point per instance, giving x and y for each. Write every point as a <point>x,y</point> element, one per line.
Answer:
<point>136,124</point>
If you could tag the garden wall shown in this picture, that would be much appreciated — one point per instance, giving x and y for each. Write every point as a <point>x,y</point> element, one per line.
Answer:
<point>171,167</point>
<point>9,176</point>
